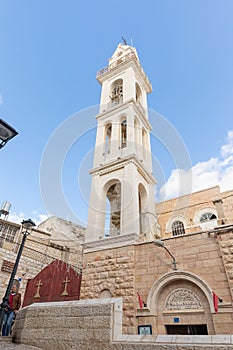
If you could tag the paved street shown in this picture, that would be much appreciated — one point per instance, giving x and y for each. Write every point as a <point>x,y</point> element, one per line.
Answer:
<point>6,344</point>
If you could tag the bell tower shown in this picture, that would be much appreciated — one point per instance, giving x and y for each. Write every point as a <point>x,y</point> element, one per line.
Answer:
<point>121,206</point>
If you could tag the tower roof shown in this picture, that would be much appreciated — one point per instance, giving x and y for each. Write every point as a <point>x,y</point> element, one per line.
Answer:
<point>122,51</point>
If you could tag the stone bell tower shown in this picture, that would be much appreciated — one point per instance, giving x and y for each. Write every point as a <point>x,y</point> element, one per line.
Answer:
<point>121,206</point>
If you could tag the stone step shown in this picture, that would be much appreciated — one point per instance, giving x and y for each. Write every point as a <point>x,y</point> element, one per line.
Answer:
<point>5,339</point>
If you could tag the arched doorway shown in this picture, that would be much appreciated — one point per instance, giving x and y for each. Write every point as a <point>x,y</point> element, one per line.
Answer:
<point>181,303</point>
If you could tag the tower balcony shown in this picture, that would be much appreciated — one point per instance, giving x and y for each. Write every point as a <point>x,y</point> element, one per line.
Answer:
<point>120,62</point>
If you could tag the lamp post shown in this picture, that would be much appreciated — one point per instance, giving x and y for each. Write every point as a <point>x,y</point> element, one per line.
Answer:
<point>26,229</point>
<point>6,133</point>
<point>161,244</point>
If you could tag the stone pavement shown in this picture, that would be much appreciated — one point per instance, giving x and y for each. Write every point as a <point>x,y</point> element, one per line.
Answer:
<point>6,344</point>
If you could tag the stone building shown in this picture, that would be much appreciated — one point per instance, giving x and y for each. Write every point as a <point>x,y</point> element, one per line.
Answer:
<point>52,239</point>
<point>183,285</point>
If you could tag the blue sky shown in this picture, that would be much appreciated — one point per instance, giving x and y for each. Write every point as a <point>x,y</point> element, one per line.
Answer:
<point>50,53</point>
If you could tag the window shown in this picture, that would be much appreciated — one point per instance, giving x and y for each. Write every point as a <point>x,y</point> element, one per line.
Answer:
<point>123,134</point>
<point>207,216</point>
<point>178,228</point>
<point>138,94</point>
<point>7,232</point>
<point>108,136</point>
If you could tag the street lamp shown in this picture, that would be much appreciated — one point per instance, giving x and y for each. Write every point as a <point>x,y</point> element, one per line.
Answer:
<point>26,230</point>
<point>6,133</point>
<point>161,244</point>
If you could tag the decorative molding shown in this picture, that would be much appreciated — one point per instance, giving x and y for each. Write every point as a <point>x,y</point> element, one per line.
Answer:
<point>110,112</point>
<point>182,299</point>
<point>170,277</point>
<point>121,163</point>
<point>111,242</point>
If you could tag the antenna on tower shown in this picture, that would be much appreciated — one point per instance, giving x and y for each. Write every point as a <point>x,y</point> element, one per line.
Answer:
<point>131,41</point>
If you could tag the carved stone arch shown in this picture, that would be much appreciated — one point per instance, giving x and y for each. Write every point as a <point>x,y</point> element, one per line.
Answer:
<point>122,117</point>
<point>173,276</point>
<point>109,183</point>
<point>173,219</point>
<point>105,286</point>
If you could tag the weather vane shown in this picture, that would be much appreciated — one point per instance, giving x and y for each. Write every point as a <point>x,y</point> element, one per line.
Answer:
<point>125,43</point>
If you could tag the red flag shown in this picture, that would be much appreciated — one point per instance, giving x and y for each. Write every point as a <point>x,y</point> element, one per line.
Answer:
<point>141,302</point>
<point>215,300</point>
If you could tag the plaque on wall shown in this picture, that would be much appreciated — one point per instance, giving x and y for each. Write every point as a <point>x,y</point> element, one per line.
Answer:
<point>7,266</point>
<point>145,329</point>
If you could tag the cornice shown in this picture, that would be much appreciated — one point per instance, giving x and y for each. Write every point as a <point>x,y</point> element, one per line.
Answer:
<point>111,242</point>
<point>123,106</point>
<point>121,163</point>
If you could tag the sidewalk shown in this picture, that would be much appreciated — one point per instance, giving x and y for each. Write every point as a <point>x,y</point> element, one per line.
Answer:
<point>6,344</point>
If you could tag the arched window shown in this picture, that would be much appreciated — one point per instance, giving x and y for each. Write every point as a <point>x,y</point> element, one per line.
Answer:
<point>208,216</point>
<point>138,94</point>
<point>207,219</point>
<point>178,228</point>
<point>144,143</point>
<point>143,211</point>
<point>117,92</point>
<point>123,133</point>
<point>108,135</point>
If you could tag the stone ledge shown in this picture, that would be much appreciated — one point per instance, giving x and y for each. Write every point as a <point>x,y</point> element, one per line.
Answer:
<point>101,329</point>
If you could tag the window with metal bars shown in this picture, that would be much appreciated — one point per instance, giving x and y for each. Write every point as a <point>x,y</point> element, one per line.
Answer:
<point>7,232</point>
<point>178,228</point>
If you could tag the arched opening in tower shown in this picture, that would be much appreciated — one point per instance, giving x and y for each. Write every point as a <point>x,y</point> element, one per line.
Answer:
<point>138,94</point>
<point>108,136</point>
<point>123,133</point>
<point>143,210</point>
<point>113,210</point>
<point>117,92</point>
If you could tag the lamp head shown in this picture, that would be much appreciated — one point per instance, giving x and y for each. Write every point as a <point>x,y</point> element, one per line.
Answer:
<point>159,243</point>
<point>6,133</point>
<point>27,225</point>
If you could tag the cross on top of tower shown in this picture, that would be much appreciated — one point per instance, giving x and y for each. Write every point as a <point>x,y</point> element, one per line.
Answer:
<point>124,40</point>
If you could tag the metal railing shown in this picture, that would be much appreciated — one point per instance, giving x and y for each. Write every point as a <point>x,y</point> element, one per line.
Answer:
<point>126,58</point>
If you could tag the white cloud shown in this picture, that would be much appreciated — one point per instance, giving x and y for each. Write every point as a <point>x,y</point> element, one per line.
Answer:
<point>37,218</point>
<point>16,217</point>
<point>215,171</point>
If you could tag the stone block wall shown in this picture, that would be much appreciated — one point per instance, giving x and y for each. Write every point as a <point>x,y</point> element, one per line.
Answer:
<point>112,270</point>
<point>96,324</point>
<point>200,254</point>
<point>136,268</point>
<point>186,209</point>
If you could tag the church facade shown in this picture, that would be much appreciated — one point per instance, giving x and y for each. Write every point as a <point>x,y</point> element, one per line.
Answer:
<point>171,262</point>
